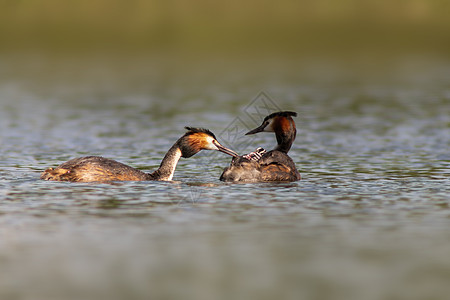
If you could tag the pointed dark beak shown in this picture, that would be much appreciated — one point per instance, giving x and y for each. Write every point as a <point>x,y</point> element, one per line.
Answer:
<point>225,149</point>
<point>256,130</point>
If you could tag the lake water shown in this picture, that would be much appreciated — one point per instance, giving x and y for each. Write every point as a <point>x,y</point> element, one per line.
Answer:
<point>369,220</point>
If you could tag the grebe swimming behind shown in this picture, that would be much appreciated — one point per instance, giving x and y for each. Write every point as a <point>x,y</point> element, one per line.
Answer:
<point>97,168</point>
<point>274,165</point>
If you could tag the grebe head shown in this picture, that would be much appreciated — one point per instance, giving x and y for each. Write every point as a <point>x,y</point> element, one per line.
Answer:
<point>197,139</point>
<point>284,127</point>
<point>279,122</point>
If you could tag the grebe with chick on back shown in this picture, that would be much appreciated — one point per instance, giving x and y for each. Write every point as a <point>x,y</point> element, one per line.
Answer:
<point>274,165</point>
<point>100,169</point>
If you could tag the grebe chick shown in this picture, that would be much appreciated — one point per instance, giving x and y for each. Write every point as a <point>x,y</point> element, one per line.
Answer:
<point>97,168</point>
<point>274,165</point>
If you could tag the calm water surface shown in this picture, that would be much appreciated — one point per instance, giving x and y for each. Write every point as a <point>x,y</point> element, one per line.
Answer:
<point>369,220</point>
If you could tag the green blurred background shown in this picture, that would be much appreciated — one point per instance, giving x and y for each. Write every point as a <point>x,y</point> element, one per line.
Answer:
<point>369,79</point>
<point>227,28</point>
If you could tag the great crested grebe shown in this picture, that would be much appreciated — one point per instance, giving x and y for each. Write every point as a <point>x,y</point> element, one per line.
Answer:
<point>274,165</point>
<point>97,168</point>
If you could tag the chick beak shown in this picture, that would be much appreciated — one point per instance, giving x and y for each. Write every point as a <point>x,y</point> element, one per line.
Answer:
<point>256,130</point>
<point>225,149</point>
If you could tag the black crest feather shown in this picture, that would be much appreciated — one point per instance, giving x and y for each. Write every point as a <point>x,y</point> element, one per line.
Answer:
<point>191,130</point>
<point>281,114</point>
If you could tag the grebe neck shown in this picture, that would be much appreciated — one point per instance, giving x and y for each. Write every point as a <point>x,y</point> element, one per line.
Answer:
<point>168,164</point>
<point>285,140</point>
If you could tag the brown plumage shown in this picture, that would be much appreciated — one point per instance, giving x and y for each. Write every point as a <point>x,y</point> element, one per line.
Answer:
<point>97,168</point>
<point>274,165</point>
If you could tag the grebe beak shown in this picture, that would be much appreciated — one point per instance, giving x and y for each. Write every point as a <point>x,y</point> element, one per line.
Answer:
<point>224,149</point>
<point>256,130</point>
